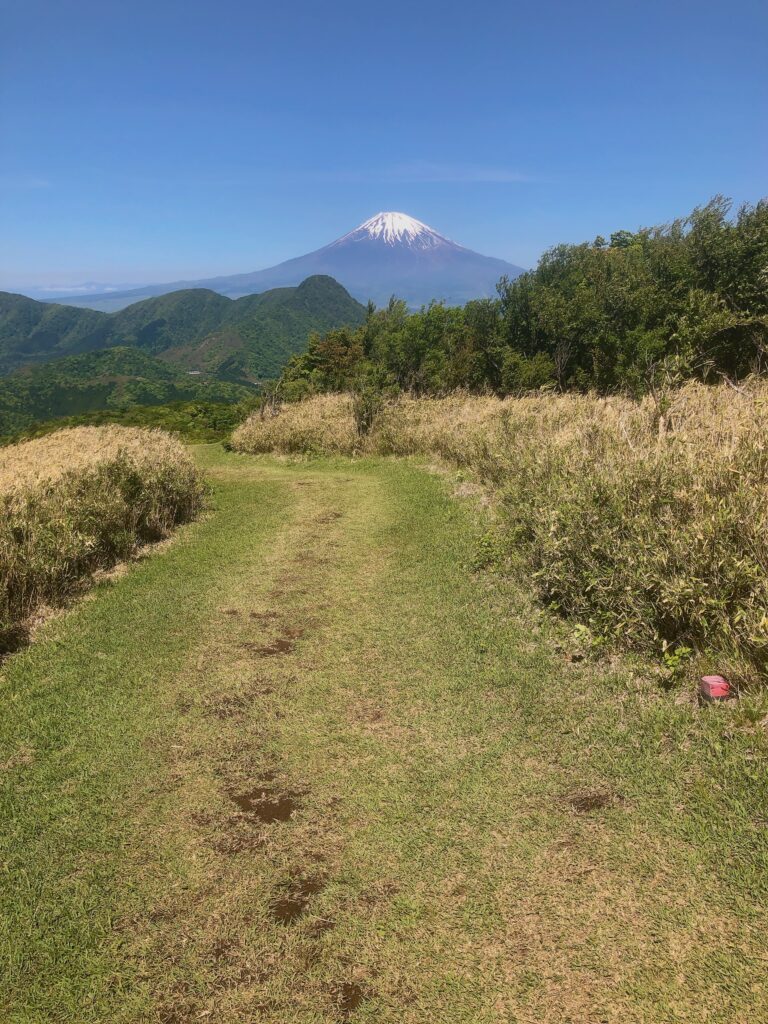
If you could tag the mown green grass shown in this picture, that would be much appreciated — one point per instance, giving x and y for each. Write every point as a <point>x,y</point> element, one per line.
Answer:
<point>439,747</point>
<point>84,726</point>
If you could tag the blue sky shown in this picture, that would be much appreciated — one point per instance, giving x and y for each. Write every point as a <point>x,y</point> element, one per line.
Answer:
<point>155,141</point>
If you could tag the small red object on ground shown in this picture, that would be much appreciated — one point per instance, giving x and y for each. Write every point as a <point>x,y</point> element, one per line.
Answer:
<point>713,688</point>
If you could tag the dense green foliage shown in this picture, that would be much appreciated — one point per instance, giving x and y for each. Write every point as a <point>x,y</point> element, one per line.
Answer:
<point>196,329</point>
<point>115,380</point>
<point>195,421</point>
<point>688,299</point>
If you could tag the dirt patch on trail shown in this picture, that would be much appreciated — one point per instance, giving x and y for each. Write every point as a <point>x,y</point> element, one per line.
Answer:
<point>14,639</point>
<point>232,973</point>
<point>262,616</point>
<point>588,800</point>
<point>178,1016</point>
<point>348,996</point>
<point>284,644</point>
<point>320,927</point>
<point>293,904</point>
<point>221,949</point>
<point>266,803</point>
<point>366,712</point>
<point>287,592</point>
<point>237,840</point>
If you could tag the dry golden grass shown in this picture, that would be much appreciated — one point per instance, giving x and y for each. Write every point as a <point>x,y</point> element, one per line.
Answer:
<point>80,500</point>
<point>81,448</point>
<point>646,521</point>
<point>323,425</point>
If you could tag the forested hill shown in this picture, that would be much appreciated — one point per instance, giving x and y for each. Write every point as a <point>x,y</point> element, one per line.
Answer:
<point>196,329</point>
<point>115,378</point>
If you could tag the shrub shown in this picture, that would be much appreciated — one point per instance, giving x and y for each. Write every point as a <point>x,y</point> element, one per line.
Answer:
<point>80,500</point>
<point>521,373</point>
<point>367,404</point>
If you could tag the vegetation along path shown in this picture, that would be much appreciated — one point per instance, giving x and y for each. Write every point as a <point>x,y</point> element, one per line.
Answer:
<point>309,764</point>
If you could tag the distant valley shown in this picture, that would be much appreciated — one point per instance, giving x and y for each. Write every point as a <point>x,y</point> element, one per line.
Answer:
<point>113,378</point>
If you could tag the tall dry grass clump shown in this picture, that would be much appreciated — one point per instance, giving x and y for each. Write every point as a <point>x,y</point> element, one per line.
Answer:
<point>653,528</point>
<point>80,500</point>
<point>647,521</point>
<point>322,426</point>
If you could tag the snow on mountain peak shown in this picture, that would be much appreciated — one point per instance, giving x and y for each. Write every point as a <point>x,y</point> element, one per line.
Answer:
<point>395,229</point>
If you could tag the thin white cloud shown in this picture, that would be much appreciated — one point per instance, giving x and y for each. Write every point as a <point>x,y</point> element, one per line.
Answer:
<point>22,182</point>
<point>423,170</point>
<point>406,173</point>
<point>80,289</point>
<point>428,172</point>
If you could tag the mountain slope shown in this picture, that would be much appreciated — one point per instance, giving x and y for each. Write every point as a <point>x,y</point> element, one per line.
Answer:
<point>112,378</point>
<point>261,331</point>
<point>31,330</point>
<point>390,254</point>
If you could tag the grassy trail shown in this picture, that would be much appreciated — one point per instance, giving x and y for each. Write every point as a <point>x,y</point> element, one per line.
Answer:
<point>304,766</point>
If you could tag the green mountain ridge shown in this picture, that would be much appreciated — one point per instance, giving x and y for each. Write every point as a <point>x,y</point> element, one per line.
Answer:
<point>240,340</point>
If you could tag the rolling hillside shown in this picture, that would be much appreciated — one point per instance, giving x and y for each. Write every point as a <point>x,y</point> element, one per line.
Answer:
<point>115,378</point>
<point>195,329</point>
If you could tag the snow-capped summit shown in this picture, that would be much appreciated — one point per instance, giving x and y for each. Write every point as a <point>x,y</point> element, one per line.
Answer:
<point>394,228</point>
<point>395,254</point>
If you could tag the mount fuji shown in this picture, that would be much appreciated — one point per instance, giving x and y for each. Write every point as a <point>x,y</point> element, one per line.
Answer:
<point>390,254</point>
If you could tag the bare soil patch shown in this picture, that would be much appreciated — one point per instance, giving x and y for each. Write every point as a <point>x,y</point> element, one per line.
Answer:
<point>266,803</point>
<point>588,800</point>
<point>348,996</point>
<point>290,907</point>
<point>284,644</point>
<point>263,616</point>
